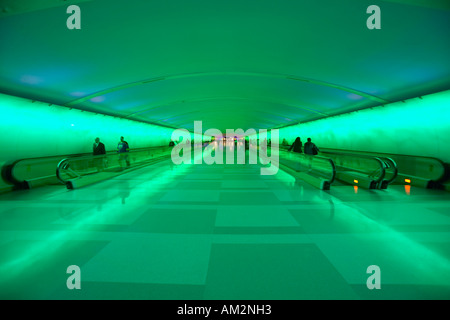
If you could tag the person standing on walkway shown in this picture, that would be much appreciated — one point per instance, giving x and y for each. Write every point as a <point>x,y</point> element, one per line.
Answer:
<point>99,151</point>
<point>310,151</point>
<point>123,149</point>
<point>296,146</point>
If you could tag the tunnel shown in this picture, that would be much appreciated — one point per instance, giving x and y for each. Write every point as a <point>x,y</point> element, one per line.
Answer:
<point>224,150</point>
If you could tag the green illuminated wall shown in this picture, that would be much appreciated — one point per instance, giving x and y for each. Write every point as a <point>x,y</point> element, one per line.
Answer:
<point>419,126</point>
<point>35,129</point>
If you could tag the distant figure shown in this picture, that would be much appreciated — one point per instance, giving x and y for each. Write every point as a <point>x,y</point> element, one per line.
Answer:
<point>297,145</point>
<point>264,145</point>
<point>123,148</point>
<point>310,151</point>
<point>99,147</point>
<point>99,150</point>
<point>284,143</point>
<point>311,148</point>
<point>171,144</point>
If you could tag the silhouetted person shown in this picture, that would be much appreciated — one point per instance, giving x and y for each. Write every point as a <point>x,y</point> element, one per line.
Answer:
<point>264,145</point>
<point>99,147</point>
<point>310,148</point>
<point>310,151</point>
<point>296,146</point>
<point>123,148</point>
<point>99,150</point>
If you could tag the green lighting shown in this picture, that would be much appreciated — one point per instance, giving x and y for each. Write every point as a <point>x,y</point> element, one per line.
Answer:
<point>413,127</point>
<point>48,130</point>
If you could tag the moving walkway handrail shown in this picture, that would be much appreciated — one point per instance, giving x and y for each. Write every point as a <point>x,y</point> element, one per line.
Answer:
<point>395,168</point>
<point>11,176</point>
<point>397,157</point>
<point>65,163</point>
<point>49,162</point>
<point>59,166</point>
<point>333,166</point>
<point>377,159</point>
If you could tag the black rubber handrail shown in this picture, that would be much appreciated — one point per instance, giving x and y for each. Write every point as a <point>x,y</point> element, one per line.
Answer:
<point>380,162</point>
<point>64,163</point>
<point>9,170</point>
<point>443,165</point>
<point>392,165</point>
<point>333,167</point>
<point>380,154</point>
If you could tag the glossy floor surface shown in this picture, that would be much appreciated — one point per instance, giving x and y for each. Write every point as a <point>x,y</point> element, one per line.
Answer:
<point>223,232</point>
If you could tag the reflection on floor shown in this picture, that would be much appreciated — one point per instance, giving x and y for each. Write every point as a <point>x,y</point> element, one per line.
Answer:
<point>223,232</point>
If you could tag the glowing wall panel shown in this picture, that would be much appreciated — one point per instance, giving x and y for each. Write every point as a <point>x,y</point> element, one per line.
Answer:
<point>419,126</point>
<point>35,129</point>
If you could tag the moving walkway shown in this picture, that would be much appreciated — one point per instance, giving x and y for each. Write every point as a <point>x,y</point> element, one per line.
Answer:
<point>75,171</point>
<point>331,167</point>
<point>364,169</point>
<point>419,171</point>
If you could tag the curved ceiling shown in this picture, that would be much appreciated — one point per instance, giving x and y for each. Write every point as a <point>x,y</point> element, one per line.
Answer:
<point>232,64</point>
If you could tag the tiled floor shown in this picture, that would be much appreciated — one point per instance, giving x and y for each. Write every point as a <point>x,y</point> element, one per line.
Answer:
<point>223,232</point>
